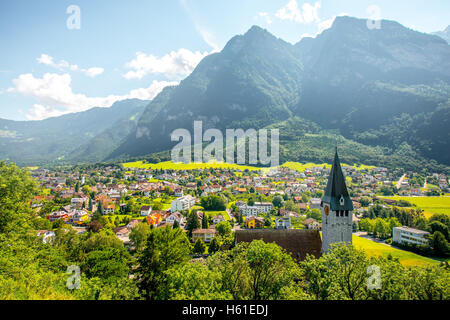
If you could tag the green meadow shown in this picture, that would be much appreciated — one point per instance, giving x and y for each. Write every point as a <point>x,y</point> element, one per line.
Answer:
<point>430,205</point>
<point>406,258</point>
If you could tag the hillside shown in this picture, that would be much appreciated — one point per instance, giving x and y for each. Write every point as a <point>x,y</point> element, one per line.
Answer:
<point>383,93</point>
<point>88,135</point>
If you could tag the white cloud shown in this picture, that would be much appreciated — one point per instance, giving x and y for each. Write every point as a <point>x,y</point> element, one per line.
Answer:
<point>292,12</point>
<point>206,35</point>
<point>174,65</point>
<point>54,95</point>
<point>265,16</point>
<point>64,65</point>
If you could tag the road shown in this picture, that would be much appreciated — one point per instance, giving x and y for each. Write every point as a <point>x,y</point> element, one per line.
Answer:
<point>399,183</point>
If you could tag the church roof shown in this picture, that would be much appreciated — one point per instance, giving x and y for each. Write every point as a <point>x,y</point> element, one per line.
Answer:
<point>299,243</point>
<point>336,193</point>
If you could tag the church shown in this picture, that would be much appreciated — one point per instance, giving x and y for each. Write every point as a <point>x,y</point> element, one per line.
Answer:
<point>337,216</point>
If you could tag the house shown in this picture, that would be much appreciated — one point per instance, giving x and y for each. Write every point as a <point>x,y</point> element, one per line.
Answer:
<point>254,222</point>
<point>283,223</point>
<point>109,208</point>
<point>79,217</point>
<point>206,235</point>
<point>218,219</point>
<point>314,203</point>
<point>407,235</point>
<point>145,211</point>
<point>122,233</point>
<point>133,223</point>
<point>175,216</point>
<point>179,192</point>
<point>46,235</point>
<point>183,203</point>
<point>154,219</point>
<point>78,202</point>
<point>312,224</point>
<point>56,215</point>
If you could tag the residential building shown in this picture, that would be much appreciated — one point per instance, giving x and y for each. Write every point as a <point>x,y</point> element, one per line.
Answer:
<point>409,235</point>
<point>145,211</point>
<point>206,235</point>
<point>183,203</point>
<point>283,223</point>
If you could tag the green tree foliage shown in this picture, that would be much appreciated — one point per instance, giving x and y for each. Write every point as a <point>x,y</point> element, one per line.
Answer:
<point>165,248</point>
<point>214,203</point>
<point>277,201</point>
<point>139,234</point>
<point>223,228</point>
<point>199,247</point>
<point>17,188</point>
<point>192,223</point>
<point>214,246</point>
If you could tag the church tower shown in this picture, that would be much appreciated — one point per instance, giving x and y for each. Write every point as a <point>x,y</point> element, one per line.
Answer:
<point>337,209</point>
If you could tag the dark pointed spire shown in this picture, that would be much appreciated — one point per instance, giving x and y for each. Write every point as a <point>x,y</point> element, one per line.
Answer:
<point>336,193</point>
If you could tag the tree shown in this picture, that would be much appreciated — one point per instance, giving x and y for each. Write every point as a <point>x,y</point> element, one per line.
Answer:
<point>192,223</point>
<point>439,226</point>
<point>195,281</point>
<point>175,224</point>
<point>109,264</point>
<point>440,244</point>
<point>165,248</point>
<point>214,203</point>
<point>223,228</point>
<point>277,201</point>
<point>139,235</point>
<point>205,224</point>
<point>270,269</point>
<point>199,247</point>
<point>149,273</point>
<point>214,246</point>
<point>17,188</point>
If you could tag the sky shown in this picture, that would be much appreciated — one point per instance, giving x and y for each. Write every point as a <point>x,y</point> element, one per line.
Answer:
<point>64,56</point>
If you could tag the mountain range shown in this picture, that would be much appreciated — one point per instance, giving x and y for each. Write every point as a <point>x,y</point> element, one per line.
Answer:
<point>382,95</point>
<point>444,34</point>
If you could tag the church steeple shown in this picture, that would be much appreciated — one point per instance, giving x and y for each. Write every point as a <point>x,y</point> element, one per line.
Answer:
<point>337,209</point>
<point>336,193</point>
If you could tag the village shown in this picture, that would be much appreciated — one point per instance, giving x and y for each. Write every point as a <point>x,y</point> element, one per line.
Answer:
<point>215,202</point>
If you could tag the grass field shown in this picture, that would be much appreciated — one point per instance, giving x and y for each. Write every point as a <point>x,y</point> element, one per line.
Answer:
<point>430,205</point>
<point>301,167</point>
<point>406,258</point>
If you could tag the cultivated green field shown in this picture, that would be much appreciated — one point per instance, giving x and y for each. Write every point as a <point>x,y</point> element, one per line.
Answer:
<point>406,258</point>
<point>169,165</point>
<point>429,204</point>
<point>301,167</point>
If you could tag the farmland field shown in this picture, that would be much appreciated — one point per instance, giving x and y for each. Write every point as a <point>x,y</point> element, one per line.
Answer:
<point>406,258</point>
<point>429,204</point>
<point>169,165</point>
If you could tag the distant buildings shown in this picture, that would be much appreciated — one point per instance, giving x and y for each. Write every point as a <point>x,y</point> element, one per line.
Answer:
<point>407,235</point>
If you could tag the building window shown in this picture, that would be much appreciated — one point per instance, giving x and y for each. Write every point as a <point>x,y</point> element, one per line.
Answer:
<point>346,213</point>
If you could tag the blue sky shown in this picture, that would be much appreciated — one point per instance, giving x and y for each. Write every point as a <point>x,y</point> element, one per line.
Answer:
<point>133,48</point>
